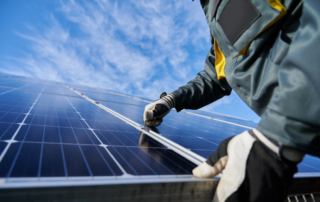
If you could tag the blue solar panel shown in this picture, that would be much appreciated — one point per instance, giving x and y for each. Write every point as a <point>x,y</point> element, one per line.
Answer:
<point>48,130</point>
<point>48,133</point>
<point>200,135</point>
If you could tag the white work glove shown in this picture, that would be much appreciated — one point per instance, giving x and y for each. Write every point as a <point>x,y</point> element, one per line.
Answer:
<point>154,112</point>
<point>253,167</point>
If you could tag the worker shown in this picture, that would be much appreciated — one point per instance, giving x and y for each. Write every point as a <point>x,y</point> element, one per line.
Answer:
<point>268,52</point>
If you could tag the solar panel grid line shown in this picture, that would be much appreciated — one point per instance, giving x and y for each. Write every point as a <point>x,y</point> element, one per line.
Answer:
<point>60,140</point>
<point>110,92</point>
<point>16,157</point>
<point>18,152</point>
<point>174,146</point>
<point>195,127</point>
<point>132,123</point>
<point>195,158</point>
<point>198,128</point>
<point>23,141</point>
<point>152,157</point>
<point>102,144</point>
<point>13,89</point>
<point>207,139</point>
<point>188,113</point>
<point>28,80</point>
<point>4,82</point>
<point>128,96</point>
<point>208,117</point>
<point>226,115</point>
<point>170,144</point>
<point>85,160</point>
<point>225,118</point>
<point>63,152</point>
<point>147,101</point>
<point>16,132</point>
<point>184,110</point>
<point>7,92</point>
<point>41,152</point>
<point>188,125</point>
<point>234,134</point>
<point>177,148</point>
<point>35,91</point>
<point>310,166</point>
<point>7,112</point>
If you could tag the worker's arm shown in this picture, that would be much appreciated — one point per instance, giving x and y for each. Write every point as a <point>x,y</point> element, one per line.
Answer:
<point>203,90</point>
<point>292,116</point>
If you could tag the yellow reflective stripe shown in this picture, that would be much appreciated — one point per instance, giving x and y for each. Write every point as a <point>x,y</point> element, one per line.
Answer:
<point>276,5</point>
<point>220,62</point>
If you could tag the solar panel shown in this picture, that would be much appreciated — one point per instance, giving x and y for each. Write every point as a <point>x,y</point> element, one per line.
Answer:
<point>54,133</point>
<point>202,134</point>
<point>46,135</point>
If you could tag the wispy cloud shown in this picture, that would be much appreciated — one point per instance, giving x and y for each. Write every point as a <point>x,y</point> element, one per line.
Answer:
<point>140,47</point>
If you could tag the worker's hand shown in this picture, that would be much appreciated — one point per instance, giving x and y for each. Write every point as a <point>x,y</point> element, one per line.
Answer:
<point>253,168</point>
<point>154,112</point>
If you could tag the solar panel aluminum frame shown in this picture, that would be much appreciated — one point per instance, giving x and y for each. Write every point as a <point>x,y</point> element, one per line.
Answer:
<point>145,191</point>
<point>157,191</point>
<point>33,182</point>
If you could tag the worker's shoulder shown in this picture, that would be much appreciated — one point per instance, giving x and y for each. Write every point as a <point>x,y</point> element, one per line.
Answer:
<point>235,24</point>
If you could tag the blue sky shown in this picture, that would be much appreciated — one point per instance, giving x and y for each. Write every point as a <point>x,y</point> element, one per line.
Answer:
<point>138,47</point>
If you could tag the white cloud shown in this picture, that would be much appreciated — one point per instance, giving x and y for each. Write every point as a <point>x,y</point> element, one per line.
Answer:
<point>141,47</point>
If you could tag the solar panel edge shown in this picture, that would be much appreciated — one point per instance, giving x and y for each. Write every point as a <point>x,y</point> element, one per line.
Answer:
<point>193,157</point>
<point>29,182</point>
<point>188,154</point>
<point>208,117</point>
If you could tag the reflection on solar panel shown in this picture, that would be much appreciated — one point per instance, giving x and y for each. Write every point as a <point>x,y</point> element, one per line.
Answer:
<point>53,134</point>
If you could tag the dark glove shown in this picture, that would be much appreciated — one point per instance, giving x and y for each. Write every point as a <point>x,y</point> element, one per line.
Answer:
<point>154,112</point>
<point>252,168</point>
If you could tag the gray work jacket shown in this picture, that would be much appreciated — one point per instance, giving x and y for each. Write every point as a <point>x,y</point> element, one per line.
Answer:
<point>268,52</point>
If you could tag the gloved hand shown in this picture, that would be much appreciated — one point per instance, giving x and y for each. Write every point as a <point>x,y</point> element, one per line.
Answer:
<point>154,112</point>
<point>253,167</point>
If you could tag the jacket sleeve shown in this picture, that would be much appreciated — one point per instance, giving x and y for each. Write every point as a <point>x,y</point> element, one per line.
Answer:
<point>292,116</point>
<point>202,90</point>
